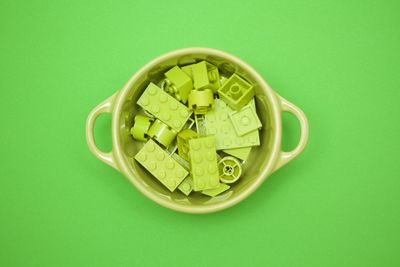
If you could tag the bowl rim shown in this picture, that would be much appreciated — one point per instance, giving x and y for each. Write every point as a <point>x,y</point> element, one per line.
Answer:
<point>267,169</point>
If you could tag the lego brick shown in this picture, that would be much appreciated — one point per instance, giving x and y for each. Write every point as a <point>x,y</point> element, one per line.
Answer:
<point>203,163</point>
<point>161,165</point>
<point>218,124</point>
<point>200,75</point>
<point>240,153</point>
<point>183,142</point>
<point>162,133</point>
<point>186,186</point>
<point>201,101</point>
<point>179,84</point>
<point>216,191</point>
<point>188,70</point>
<point>140,127</point>
<point>164,107</point>
<point>236,92</point>
<point>230,170</point>
<point>213,76</point>
<point>245,120</point>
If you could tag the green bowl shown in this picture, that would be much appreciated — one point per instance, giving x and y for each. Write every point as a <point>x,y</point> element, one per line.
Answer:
<point>265,159</point>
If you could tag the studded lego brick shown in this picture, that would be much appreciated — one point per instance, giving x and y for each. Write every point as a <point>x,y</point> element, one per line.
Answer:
<point>203,163</point>
<point>245,120</point>
<point>218,124</point>
<point>236,92</point>
<point>164,107</point>
<point>161,165</point>
<point>216,191</point>
<point>180,84</point>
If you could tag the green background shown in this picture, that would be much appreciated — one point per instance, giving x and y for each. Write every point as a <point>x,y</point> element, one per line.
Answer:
<point>335,205</point>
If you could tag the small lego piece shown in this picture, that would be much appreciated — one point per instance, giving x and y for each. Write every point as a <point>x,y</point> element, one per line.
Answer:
<point>200,124</point>
<point>183,142</point>
<point>203,163</point>
<point>200,75</point>
<point>188,70</point>
<point>219,125</point>
<point>245,120</point>
<point>178,83</point>
<point>162,133</point>
<point>213,76</point>
<point>164,107</point>
<point>141,127</point>
<point>161,165</point>
<point>201,101</point>
<point>186,186</point>
<point>236,92</point>
<point>216,191</point>
<point>241,153</point>
<point>230,170</point>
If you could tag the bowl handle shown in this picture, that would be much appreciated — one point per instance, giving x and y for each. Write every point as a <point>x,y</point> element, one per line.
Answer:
<point>285,157</point>
<point>104,107</point>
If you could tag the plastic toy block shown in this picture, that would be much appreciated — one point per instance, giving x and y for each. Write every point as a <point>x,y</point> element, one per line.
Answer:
<point>200,75</point>
<point>230,170</point>
<point>164,107</point>
<point>216,191</point>
<point>161,165</point>
<point>188,70</point>
<point>183,142</point>
<point>240,153</point>
<point>186,186</point>
<point>213,76</point>
<point>201,101</point>
<point>203,163</point>
<point>179,84</point>
<point>218,124</point>
<point>245,120</point>
<point>236,92</point>
<point>200,124</point>
<point>141,127</point>
<point>162,133</point>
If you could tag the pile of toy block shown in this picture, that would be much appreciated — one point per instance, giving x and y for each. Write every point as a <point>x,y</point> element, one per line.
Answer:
<point>199,128</point>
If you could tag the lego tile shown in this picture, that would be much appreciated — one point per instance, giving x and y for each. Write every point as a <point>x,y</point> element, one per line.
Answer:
<point>186,186</point>
<point>230,170</point>
<point>179,84</point>
<point>183,142</point>
<point>218,124</point>
<point>216,191</point>
<point>164,107</point>
<point>161,165</point>
<point>240,153</point>
<point>203,163</point>
<point>236,92</point>
<point>245,120</point>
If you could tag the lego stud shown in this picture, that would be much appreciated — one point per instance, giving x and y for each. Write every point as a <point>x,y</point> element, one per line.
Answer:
<point>230,170</point>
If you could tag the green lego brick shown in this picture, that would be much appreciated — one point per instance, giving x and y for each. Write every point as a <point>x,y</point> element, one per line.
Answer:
<point>240,153</point>
<point>245,120</point>
<point>236,92</point>
<point>186,186</point>
<point>200,75</point>
<point>183,142</point>
<point>206,75</point>
<point>161,165</point>
<point>213,76</point>
<point>188,70</point>
<point>203,163</point>
<point>179,84</point>
<point>164,107</point>
<point>201,101</point>
<point>216,191</point>
<point>140,127</point>
<point>230,170</point>
<point>218,124</point>
<point>162,133</point>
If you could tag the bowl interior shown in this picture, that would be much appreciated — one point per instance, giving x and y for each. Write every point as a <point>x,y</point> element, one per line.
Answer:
<point>153,72</point>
